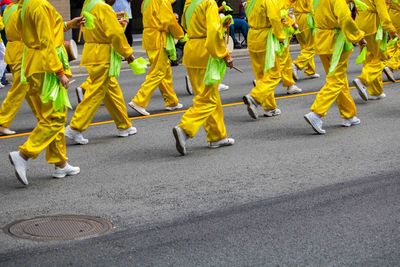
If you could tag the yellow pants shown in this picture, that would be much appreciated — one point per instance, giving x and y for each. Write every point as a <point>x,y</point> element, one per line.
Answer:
<point>14,98</point>
<point>160,75</point>
<point>306,40</point>
<point>206,111</point>
<point>264,91</point>
<point>101,89</point>
<point>371,74</point>
<point>394,54</point>
<point>49,132</point>
<point>286,68</point>
<point>336,89</point>
<point>86,84</point>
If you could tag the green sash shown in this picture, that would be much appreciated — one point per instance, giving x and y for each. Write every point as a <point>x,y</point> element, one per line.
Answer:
<point>23,10</point>
<point>145,5</point>
<point>115,64</point>
<point>7,14</point>
<point>90,4</point>
<point>89,18</point>
<point>190,10</point>
<point>360,5</point>
<point>249,7</point>
<point>341,45</point>
<point>315,4</point>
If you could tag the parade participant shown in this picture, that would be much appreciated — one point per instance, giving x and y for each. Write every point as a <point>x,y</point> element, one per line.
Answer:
<point>373,21</point>
<point>393,52</point>
<point>335,28</point>
<point>265,24</point>
<point>303,11</point>
<point>106,37</point>
<point>201,21</point>
<point>43,60</point>
<point>158,21</point>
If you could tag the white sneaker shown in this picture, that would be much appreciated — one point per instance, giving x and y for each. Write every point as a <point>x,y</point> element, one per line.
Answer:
<point>389,74</point>
<point>362,90</point>
<point>295,72</point>
<point>272,113</point>
<point>294,90</point>
<point>127,132</point>
<point>68,170</point>
<point>79,94</point>
<point>251,106</point>
<point>179,106</point>
<point>313,76</point>
<point>189,88</point>
<point>377,97</point>
<point>6,131</point>
<point>223,87</point>
<point>2,85</point>
<point>138,109</point>
<point>315,121</point>
<point>180,138</point>
<point>20,166</point>
<point>221,143</point>
<point>351,122</point>
<point>76,136</point>
<point>254,83</point>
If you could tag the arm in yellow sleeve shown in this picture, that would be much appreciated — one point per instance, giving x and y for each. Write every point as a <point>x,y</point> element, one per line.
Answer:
<point>274,16</point>
<point>1,23</point>
<point>347,24</point>
<point>215,45</point>
<point>383,13</point>
<point>168,20</point>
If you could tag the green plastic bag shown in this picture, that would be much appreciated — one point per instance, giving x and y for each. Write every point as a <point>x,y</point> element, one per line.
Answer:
<point>360,5</point>
<point>215,72</point>
<point>341,45</point>
<point>115,64</point>
<point>139,65</point>
<point>89,20</point>
<point>53,91</point>
<point>362,56</point>
<point>170,47</point>
<point>393,42</point>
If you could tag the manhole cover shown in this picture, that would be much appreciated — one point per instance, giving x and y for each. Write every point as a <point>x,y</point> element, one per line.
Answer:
<point>60,227</point>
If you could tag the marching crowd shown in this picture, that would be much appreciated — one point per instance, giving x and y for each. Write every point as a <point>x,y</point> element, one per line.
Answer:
<point>41,72</point>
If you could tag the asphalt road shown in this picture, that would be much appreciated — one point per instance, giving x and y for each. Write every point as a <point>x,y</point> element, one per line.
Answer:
<point>280,196</point>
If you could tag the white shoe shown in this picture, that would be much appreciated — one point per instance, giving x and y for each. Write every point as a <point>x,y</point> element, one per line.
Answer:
<point>222,142</point>
<point>377,97</point>
<point>251,106</point>
<point>138,109</point>
<point>223,87</point>
<point>20,166</point>
<point>76,136</point>
<point>295,72</point>
<point>315,121</point>
<point>294,90</point>
<point>79,94</point>
<point>68,170</point>
<point>389,74</point>
<point>362,90</point>
<point>189,88</point>
<point>180,138</point>
<point>313,76</point>
<point>6,131</point>
<point>2,85</point>
<point>351,122</point>
<point>179,106</point>
<point>272,113</point>
<point>127,132</point>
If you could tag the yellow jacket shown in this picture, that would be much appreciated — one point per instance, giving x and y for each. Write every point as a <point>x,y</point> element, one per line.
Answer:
<point>302,6</point>
<point>331,15</point>
<point>158,20</point>
<point>38,36</point>
<point>284,6</point>
<point>377,13</point>
<point>264,17</point>
<point>15,46</point>
<point>394,13</point>
<point>204,35</point>
<point>107,34</point>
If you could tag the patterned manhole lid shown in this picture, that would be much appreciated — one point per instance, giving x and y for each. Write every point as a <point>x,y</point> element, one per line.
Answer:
<point>60,227</point>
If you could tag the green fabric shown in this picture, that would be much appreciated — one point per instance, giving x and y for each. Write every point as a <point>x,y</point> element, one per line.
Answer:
<point>23,78</point>
<point>226,7</point>
<point>249,7</point>
<point>190,11</point>
<point>393,42</point>
<point>90,5</point>
<point>184,39</point>
<point>53,91</point>
<point>311,23</point>
<point>384,42</point>
<point>223,29</point>
<point>362,56</point>
<point>115,64</point>
<point>8,13</point>
<point>341,45</point>
<point>273,48</point>
<point>170,47</point>
<point>215,72</point>
<point>395,1</point>
<point>360,5</point>
<point>89,18</point>
<point>63,56</point>
<point>145,5</point>
<point>23,9</point>
<point>379,33</point>
<point>315,4</point>
<point>139,65</point>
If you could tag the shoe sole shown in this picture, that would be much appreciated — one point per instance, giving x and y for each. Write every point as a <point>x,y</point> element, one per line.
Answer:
<point>188,89</point>
<point>361,91</point>
<point>218,146</point>
<point>314,128</point>
<point>134,108</point>
<point>293,93</point>
<point>126,135</point>
<point>254,83</point>
<point>181,149</point>
<point>69,174</point>
<point>273,115</point>
<point>389,75</point>
<point>78,96</point>
<point>250,108</point>
<point>16,173</point>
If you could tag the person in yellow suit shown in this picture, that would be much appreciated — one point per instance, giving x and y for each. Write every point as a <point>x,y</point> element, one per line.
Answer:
<point>264,19</point>
<point>107,35</point>
<point>42,30</point>
<point>334,25</point>
<point>394,52</point>
<point>203,24</point>
<point>369,84</point>
<point>158,21</point>
<point>303,11</point>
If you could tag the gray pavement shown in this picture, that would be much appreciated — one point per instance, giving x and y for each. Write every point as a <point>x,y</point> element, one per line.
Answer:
<point>280,196</point>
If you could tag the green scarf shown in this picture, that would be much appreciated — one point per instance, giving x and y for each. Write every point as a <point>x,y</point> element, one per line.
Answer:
<point>249,7</point>
<point>190,10</point>
<point>341,45</point>
<point>7,14</point>
<point>145,5</point>
<point>89,18</point>
<point>115,64</point>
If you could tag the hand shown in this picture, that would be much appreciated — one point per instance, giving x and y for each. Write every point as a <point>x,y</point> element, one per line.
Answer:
<point>76,22</point>
<point>229,61</point>
<point>295,26</point>
<point>63,80</point>
<point>123,22</point>
<point>362,43</point>
<point>130,59</point>
<point>283,20</point>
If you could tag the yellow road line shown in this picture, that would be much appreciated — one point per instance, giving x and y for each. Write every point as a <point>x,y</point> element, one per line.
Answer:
<point>170,113</point>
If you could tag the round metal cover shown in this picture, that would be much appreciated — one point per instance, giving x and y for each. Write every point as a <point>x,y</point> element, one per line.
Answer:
<point>60,227</point>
